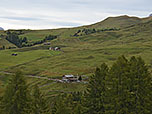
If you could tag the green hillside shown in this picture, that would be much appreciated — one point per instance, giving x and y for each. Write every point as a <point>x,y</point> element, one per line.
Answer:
<point>117,22</point>
<point>83,53</point>
<point>111,22</point>
<point>4,42</point>
<point>79,54</point>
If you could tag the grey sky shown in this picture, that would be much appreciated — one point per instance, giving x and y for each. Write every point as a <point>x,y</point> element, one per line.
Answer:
<point>47,14</point>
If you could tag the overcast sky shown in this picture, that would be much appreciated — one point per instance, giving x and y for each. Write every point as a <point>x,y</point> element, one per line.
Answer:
<point>48,14</point>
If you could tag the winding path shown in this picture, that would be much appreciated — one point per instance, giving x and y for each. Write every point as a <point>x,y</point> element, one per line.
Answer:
<point>34,76</point>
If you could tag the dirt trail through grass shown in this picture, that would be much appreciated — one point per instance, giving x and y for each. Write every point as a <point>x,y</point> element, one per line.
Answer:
<point>33,76</point>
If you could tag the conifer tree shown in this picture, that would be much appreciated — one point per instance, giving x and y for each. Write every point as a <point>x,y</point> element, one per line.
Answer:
<point>61,107</point>
<point>117,92</point>
<point>39,105</point>
<point>129,87</point>
<point>78,109</point>
<point>95,94</point>
<point>0,97</point>
<point>15,98</point>
<point>140,87</point>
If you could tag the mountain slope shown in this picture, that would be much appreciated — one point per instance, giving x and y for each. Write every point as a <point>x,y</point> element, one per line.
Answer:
<point>111,22</point>
<point>117,22</point>
<point>83,53</point>
<point>4,42</point>
<point>79,55</point>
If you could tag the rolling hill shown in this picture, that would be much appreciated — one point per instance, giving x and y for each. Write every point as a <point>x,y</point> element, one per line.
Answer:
<point>133,36</point>
<point>119,22</point>
<point>80,54</point>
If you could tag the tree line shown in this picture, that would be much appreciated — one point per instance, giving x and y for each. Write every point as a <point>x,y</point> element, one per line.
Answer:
<point>91,31</point>
<point>47,38</point>
<point>14,38</point>
<point>123,88</point>
<point>19,99</point>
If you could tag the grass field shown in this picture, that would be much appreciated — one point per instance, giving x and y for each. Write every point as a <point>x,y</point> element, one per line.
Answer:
<point>79,55</point>
<point>24,57</point>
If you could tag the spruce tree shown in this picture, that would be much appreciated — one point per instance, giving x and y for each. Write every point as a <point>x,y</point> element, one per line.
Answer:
<point>140,87</point>
<point>39,104</point>
<point>15,98</point>
<point>1,91</point>
<point>129,87</point>
<point>117,92</point>
<point>78,109</point>
<point>61,107</point>
<point>95,95</point>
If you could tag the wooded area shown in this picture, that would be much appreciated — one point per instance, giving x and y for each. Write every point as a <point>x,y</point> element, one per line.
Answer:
<point>123,88</point>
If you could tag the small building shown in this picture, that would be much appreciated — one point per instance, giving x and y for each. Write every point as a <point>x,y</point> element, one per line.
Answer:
<point>55,48</point>
<point>51,48</point>
<point>70,78</point>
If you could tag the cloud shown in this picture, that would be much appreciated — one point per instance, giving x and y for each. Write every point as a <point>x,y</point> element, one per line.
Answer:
<point>40,14</point>
<point>20,18</point>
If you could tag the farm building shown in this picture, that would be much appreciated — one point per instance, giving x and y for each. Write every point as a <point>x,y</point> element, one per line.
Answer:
<point>55,48</point>
<point>51,48</point>
<point>70,78</point>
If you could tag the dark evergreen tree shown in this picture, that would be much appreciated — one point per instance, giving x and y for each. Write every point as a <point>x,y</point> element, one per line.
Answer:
<point>61,106</point>
<point>80,78</point>
<point>94,99</point>
<point>117,92</point>
<point>78,109</point>
<point>1,91</point>
<point>24,40</point>
<point>3,47</point>
<point>39,104</point>
<point>129,87</point>
<point>14,38</point>
<point>140,87</point>
<point>15,98</point>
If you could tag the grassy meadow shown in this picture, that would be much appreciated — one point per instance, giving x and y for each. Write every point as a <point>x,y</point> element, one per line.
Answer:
<point>79,55</point>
